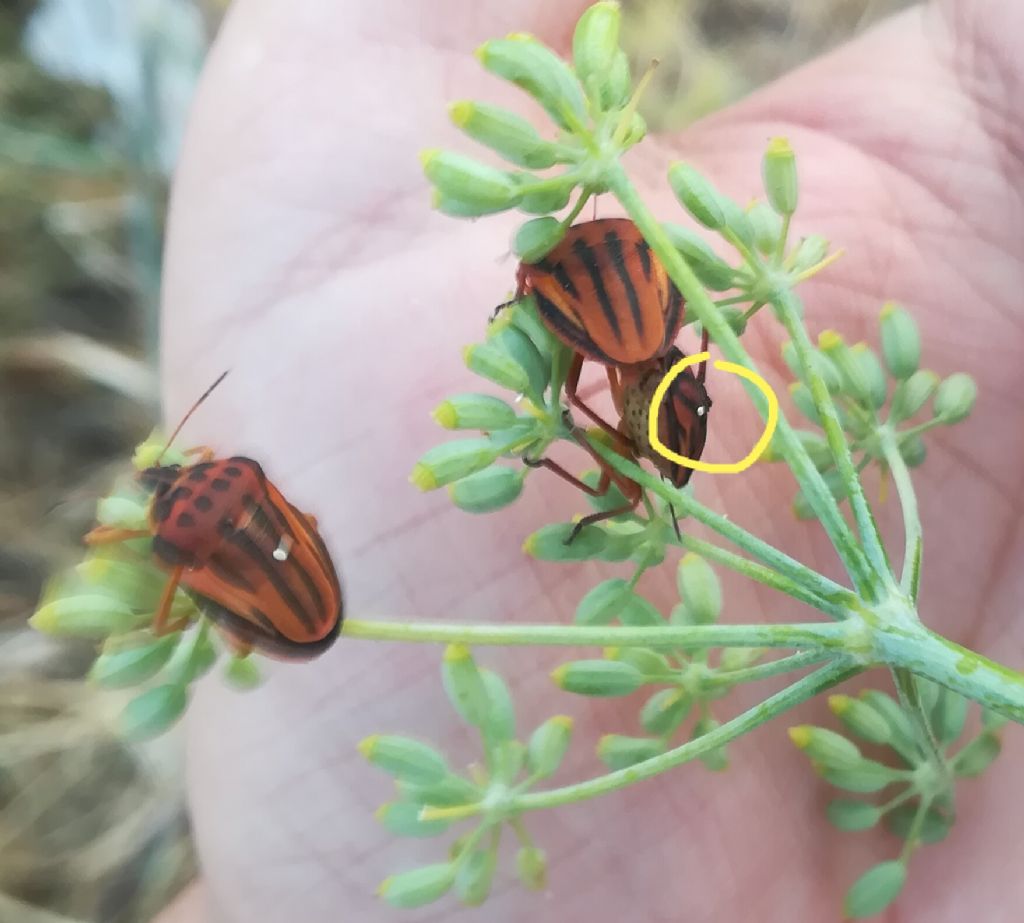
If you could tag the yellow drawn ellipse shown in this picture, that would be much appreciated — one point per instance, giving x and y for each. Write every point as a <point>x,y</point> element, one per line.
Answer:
<point>712,467</point>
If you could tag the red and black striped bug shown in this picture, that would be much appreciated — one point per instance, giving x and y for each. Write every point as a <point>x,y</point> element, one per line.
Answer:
<point>604,294</point>
<point>254,564</point>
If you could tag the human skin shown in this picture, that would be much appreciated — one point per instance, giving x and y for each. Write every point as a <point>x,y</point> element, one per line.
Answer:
<point>303,256</point>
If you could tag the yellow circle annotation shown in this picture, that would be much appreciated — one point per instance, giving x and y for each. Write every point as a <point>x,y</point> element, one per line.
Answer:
<point>712,467</point>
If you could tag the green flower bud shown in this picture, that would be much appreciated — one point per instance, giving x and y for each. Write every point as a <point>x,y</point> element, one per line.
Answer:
<point>617,751</point>
<point>955,398</point>
<point>474,877</point>
<point>901,341</point>
<point>464,685</point>
<point>820,364</point>
<point>199,661</point>
<point>712,271</point>
<point>465,180</point>
<point>902,736</point>
<point>913,393</point>
<point>488,490</point>
<point>650,663</point>
<point>404,758</point>
<point>860,718</point>
<point>934,829</point>
<point>618,84</point>
<point>717,759</point>
<point>136,583</point>
<point>875,890</point>
<point>735,317</point>
<point>871,373</point>
<point>949,715</point>
<point>504,335</point>
<point>459,208</point>
<point>494,364</point>
<point>977,756</point>
<point>739,658</point>
<point>826,748</point>
<point>535,68</point>
<point>502,131</point>
<point>242,673</point>
<point>153,712</point>
<point>547,194</point>
<point>913,450</point>
<point>506,760</point>
<point>611,500</point>
<point>637,130</point>
<point>604,602</point>
<point>851,816</point>
<point>523,315</point>
<point>767,227</point>
<point>738,222</point>
<point>536,238</point>
<point>833,481</point>
<point>992,720</point>
<point>804,402</point>
<point>548,744</point>
<point>598,677</point>
<point>451,461</point>
<point>548,543</point>
<point>664,711</point>
<point>814,444</point>
<point>517,440</point>
<point>595,43</point>
<point>699,589</point>
<point>155,450</point>
<point>778,170</point>
<point>419,886</point>
<point>402,818</point>
<point>638,612</point>
<point>448,791</point>
<point>532,866</point>
<point>119,667</point>
<point>474,411</point>
<point>123,512</point>
<point>92,616</point>
<point>866,776</point>
<point>500,723</point>
<point>809,252</point>
<point>698,196</point>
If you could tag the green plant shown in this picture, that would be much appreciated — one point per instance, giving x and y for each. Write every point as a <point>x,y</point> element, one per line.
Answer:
<point>860,411</point>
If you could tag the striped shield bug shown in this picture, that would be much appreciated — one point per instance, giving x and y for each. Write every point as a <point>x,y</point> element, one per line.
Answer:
<point>603,293</point>
<point>255,565</point>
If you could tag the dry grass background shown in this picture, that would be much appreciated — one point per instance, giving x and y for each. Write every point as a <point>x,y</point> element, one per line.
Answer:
<point>90,828</point>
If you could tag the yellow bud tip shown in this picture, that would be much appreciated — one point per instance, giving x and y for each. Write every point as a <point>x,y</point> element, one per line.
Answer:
<point>829,339</point>
<point>779,147</point>
<point>467,353</point>
<point>367,745</point>
<point>460,112</point>
<point>604,743</point>
<point>456,653</point>
<point>520,37</point>
<point>428,156</point>
<point>611,653</point>
<point>688,559</point>
<point>890,307</point>
<point>382,811</point>
<point>423,478</point>
<point>839,704</point>
<point>43,621</point>
<point>558,674</point>
<point>563,721</point>
<point>445,415</point>
<point>530,545</point>
<point>800,735</point>
<point>384,887</point>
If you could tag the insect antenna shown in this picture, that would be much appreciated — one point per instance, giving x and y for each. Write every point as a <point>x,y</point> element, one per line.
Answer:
<point>192,410</point>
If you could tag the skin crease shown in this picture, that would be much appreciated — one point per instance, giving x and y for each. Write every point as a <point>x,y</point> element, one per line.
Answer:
<point>304,256</point>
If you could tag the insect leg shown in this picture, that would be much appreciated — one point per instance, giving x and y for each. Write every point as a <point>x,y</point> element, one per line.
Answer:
<point>599,491</point>
<point>627,507</point>
<point>105,535</point>
<point>571,381</point>
<point>702,368</point>
<point>160,623</point>
<point>204,452</point>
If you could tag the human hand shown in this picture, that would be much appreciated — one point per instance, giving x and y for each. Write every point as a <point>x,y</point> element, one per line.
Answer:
<point>303,256</point>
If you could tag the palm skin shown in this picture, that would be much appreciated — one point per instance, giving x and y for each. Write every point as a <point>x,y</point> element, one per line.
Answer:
<point>303,255</point>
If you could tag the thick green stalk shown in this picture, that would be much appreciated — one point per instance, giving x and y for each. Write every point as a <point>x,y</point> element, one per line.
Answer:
<point>788,306</point>
<point>814,486</point>
<point>910,578</point>
<point>812,635</point>
<point>800,691</point>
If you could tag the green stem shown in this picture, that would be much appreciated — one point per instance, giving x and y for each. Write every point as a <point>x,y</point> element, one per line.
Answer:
<point>914,835</point>
<point>812,635</point>
<point>767,576</point>
<point>766,670</point>
<point>788,307</point>
<point>911,577</point>
<point>928,654</point>
<point>910,699</point>
<point>800,691</point>
<point>714,322</point>
<point>778,560</point>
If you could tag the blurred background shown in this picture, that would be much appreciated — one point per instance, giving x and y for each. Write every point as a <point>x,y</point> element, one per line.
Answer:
<point>94,95</point>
